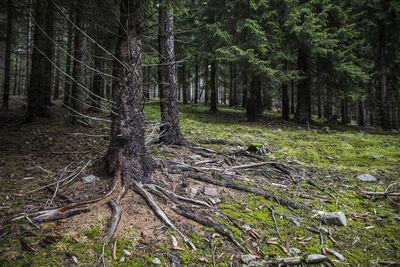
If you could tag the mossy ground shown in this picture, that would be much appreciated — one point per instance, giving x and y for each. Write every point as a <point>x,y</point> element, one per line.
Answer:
<point>332,157</point>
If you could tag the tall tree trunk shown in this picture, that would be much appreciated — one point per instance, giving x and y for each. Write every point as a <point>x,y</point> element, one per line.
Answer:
<point>98,79</point>
<point>213,96</point>
<point>361,117</point>
<point>266,100</point>
<point>28,44</point>
<point>127,154</point>
<point>7,57</point>
<point>206,83</point>
<point>328,111</point>
<point>344,110</point>
<point>16,71</point>
<point>285,101</point>
<point>384,113</point>
<point>37,106</point>
<point>49,28</point>
<point>196,90</point>
<point>230,84</point>
<point>254,103</point>
<point>68,81</point>
<point>319,105</point>
<point>184,84</point>
<point>244,88</point>
<point>170,127</point>
<point>234,97</point>
<point>18,89</point>
<point>303,109</point>
<point>79,70</point>
<point>293,98</point>
<point>57,58</point>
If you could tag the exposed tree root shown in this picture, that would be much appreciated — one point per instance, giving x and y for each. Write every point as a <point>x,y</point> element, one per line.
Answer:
<point>160,213</point>
<point>110,233</point>
<point>220,142</point>
<point>53,214</point>
<point>257,191</point>
<point>208,221</point>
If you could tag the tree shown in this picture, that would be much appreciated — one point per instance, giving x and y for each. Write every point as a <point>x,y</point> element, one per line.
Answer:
<point>37,101</point>
<point>79,70</point>
<point>170,128</point>
<point>6,88</point>
<point>126,157</point>
<point>68,81</point>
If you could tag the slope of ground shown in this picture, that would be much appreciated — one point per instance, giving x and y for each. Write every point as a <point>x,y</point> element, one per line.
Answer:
<point>313,165</point>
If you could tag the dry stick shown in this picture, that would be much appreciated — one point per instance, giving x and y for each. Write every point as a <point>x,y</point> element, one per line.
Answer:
<point>208,221</point>
<point>261,192</point>
<point>156,208</point>
<point>116,216</point>
<point>276,225</point>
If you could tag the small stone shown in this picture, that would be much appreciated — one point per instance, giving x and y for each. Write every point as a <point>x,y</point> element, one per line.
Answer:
<point>122,259</point>
<point>127,253</point>
<point>74,258</point>
<point>254,244</point>
<point>366,178</point>
<point>336,218</point>
<point>330,158</point>
<point>191,192</point>
<point>192,132</point>
<point>246,227</point>
<point>211,191</point>
<point>375,157</point>
<point>31,168</point>
<point>315,258</point>
<point>156,261</point>
<point>324,230</point>
<point>90,179</point>
<point>246,259</point>
<point>336,254</point>
<point>215,201</point>
<point>294,251</point>
<point>195,157</point>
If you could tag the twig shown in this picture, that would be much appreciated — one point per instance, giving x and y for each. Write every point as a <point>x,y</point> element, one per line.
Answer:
<point>276,225</point>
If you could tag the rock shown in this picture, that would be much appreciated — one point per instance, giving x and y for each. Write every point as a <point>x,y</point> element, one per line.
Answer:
<point>246,227</point>
<point>324,230</point>
<point>254,244</point>
<point>215,201</point>
<point>366,177</point>
<point>246,259</point>
<point>375,157</point>
<point>336,218</point>
<point>74,258</point>
<point>122,259</point>
<point>315,258</point>
<point>156,261</point>
<point>336,254</point>
<point>191,192</point>
<point>294,251</point>
<point>127,253</point>
<point>330,158</point>
<point>90,179</point>
<point>210,191</point>
<point>195,157</point>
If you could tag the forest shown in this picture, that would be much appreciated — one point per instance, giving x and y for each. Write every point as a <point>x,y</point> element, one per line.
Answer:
<point>200,133</point>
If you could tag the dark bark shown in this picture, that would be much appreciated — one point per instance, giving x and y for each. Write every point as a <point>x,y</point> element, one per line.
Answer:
<point>98,80</point>
<point>127,155</point>
<point>184,85</point>
<point>328,107</point>
<point>37,106</point>
<point>7,56</point>
<point>57,57</point>
<point>230,85</point>
<point>244,89</point>
<point>234,97</point>
<point>266,100</point>
<point>16,73</point>
<point>293,98</point>
<point>170,128</point>
<point>196,88</point>
<point>49,52</point>
<point>213,96</point>
<point>384,112</point>
<point>67,85</point>
<point>361,117</point>
<point>28,44</point>
<point>319,105</point>
<point>254,104</point>
<point>343,105</point>
<point>285,98</point>
<point>206,82</point>
<point>79,70</point>
<point>303,109</point>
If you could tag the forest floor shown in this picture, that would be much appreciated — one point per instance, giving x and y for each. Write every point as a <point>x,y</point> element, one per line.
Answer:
<point>314,165</point>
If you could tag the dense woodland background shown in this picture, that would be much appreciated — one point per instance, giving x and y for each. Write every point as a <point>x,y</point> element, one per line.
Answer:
<point>336,60</point>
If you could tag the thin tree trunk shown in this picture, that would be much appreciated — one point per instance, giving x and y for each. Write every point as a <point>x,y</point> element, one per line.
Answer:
<point>361,117</point>
<point>28,44</point>
<point>244,89</point>
<point>49,24</point>
<point>206,83</point>
<point>98,80</point>
<point>383,99</point>
<point>7,66</point>
<point>319,105</point>
<point>230,84</point>
<point>79,70</point>
<point>16,71</point>
<point>196,91</point>
<point>303,109</point>
<point>285,101</point>
<point>344,110</point>
<point>57,58</point>
<point>127,155</point>
<point>68,81</point>
<point>213,96</point>
<point>184,84</point>
<point>234,97</point>
<point>170,127</point>
<point>37,106</point>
